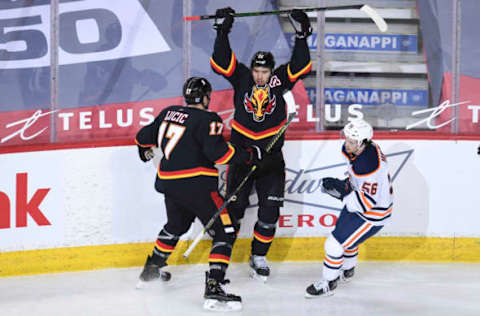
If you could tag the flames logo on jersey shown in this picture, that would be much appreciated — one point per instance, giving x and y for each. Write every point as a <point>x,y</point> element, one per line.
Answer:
<point>259,103</point>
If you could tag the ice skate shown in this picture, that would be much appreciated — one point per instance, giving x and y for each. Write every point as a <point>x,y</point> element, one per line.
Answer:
<point>217,300</point>
<point>259,268</point>
<point>321,288</point>
<point>153,271</point>
<point>347,275</point>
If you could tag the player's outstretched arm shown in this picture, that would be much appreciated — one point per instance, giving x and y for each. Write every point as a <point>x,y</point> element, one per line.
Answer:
<point>223,60</point>
<point>300,63</point>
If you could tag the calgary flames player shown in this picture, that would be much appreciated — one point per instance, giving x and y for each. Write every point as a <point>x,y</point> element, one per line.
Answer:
<point>259,114</point>
<point>190,138</point>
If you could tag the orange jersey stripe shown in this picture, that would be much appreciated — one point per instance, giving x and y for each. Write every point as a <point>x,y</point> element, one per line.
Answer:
<point>351,250</point>
<point>228,155</point>
<point>357,235</point>
<point>226,72</point>
<point>293,77</point>
<point>219,260</point>
<point>348,156</point>
<point>218,256</point>
<point>367,203</point>
<point>256,135</point>
<point>262,238</point>
<point>333,262</point>
<point>187,173</point>
<point>143,145</point>
<point>379,214</point>
<point>215,257</point>
<point>163,247</point>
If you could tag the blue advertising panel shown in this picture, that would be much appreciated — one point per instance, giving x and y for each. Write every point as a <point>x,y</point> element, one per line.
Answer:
<point>396,97</point>
<point>363,42</point>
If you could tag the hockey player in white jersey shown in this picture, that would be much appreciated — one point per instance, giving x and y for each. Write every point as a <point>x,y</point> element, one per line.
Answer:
<point>367,195</point>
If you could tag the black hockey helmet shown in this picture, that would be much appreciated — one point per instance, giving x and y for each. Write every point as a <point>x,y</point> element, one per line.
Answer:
<point>263,59</point>
<point>195,88</point>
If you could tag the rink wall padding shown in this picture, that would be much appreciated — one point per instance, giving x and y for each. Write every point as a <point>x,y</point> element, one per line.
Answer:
<point>417,249</point>
<point>75,209</point>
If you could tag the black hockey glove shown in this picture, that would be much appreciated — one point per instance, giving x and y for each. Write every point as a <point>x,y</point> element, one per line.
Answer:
<point>145,153</point>
<point>336,187</point>
<point>301,23</point>
<point>224,20</point>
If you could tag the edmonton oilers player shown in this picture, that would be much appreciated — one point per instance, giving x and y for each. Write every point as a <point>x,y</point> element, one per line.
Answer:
<point>367,196</point>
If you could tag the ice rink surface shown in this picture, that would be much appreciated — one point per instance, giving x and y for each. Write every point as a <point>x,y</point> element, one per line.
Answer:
<point>379,288</point>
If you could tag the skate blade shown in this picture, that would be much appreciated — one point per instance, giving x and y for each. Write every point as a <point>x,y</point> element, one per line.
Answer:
<point>148,284</point>
<point>219,306</point>
<point>165,276</point>
<point>308,295</point>
<point>254,275</point>
<point>141,285</point>
<point>345,280</point>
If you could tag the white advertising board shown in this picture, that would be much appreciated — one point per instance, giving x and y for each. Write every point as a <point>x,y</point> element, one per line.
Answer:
<point>106,195</point>
<point>31,201</point>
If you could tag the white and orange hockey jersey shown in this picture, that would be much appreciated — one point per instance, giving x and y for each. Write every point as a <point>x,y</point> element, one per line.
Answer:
<point>372,195</point>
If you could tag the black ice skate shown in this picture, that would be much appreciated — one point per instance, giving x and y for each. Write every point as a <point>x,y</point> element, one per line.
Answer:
<point>260,270</point>
<point>216,299</point>
<point>321,288</point>
<point>153,271</point>
<point>347,275</point>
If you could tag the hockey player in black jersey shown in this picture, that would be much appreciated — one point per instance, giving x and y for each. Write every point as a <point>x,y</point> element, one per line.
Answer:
<point>259,114</point>
<point>191,141</point>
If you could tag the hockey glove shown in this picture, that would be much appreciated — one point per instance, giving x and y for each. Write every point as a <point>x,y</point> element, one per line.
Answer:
<point>336,187</point>
<point>301,23</point>
<point>224,20</point>
<point>145,153</point>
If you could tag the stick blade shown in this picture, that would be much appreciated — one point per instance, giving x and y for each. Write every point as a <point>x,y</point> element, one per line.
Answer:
<point>377,19</point>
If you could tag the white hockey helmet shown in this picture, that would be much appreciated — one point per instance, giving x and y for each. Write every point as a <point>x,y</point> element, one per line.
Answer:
<point>358,130</point>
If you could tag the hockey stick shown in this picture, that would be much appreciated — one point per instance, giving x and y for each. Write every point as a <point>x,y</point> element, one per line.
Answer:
<point>368,10</point>
<point>233,196</point>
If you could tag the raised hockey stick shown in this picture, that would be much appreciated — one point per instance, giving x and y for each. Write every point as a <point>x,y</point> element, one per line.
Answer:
<point>233,196</point>
<point>368,10</point>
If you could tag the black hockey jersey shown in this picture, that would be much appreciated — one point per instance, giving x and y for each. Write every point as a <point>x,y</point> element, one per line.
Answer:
<point>259,111</point>
<point>192,143</point>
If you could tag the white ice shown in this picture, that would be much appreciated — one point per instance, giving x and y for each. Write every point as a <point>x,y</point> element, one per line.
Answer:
<point>379,288</point>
